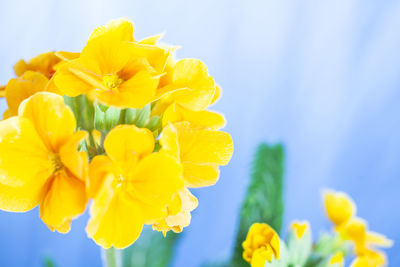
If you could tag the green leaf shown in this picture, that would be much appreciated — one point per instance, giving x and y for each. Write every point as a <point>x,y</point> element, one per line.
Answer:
<point>151,249</point>
<point>263,201</point>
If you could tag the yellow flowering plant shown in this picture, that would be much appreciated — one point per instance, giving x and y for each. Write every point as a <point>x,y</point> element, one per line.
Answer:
<point>350,237</point>
<point>122,125</point>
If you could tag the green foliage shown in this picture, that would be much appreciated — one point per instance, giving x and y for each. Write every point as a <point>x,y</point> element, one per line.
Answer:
<point>151,249</point>
<point>263,201</point>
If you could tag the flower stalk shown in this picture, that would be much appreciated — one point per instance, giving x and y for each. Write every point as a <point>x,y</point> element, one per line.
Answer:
<point>111,257</point>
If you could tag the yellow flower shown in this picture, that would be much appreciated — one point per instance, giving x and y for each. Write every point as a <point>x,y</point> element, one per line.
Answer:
<point>356,230</point>
<point>21,88</point>
<point>337,259</point>
<point>196,86</point>
<point>340,208</point>
<point>261,245</point>
<point>341,211</point>
<point>114,69</point>
<point>40,163</point>
<point>43,63</point>
<point>300,228</point>
<point>130,186</point>
<point>199,150</point>
<point>189,91</point>
<point>178,212</point>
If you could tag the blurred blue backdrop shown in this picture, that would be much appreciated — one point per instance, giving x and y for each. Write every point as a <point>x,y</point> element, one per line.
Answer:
<point>323,77</point>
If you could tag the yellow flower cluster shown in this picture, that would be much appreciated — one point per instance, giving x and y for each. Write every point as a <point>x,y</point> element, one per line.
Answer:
<point>263,246</point>
<point>341,210</point>
<point>134,174</point>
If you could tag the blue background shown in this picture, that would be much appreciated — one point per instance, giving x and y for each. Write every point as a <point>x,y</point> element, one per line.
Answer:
<point>323,77</point>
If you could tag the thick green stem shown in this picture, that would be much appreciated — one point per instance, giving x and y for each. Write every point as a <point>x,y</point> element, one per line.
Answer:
<point>111,257</point>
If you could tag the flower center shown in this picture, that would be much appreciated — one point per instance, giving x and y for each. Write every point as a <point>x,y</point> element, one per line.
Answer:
<point>120,180</point>
<point>56,162</point>
<point>112,81</point>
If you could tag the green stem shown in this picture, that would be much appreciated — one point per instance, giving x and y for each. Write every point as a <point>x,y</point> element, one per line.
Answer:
<point>111,257</point>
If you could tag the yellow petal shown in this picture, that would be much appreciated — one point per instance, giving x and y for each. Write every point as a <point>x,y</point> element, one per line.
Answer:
<point>152,40</point>
<point>160,106</point>
<point>23,87</point>
<point>53,120</point>
<point>356,231</point>
<point>7,114</point>
<point>23,156</point>
<point>105,56</point>
<point>155,55</point>
<point>67,56</point>
<point>68,82</point>
<point>260,256</point>
<point>199,150</point>
<point>169,141</point>
<point>370,258</point>
<point>100,168</point>
<point>22,198</point>
<point>198,175</point>
<point>340,208</point>
<point>65,199</point>
<point>75,161</point>
<point>203,146</point>
<point>376,239</point>
<point>127,141</point>
<point>156,186</point>
<point>135,65</point>
<point>192,74</point>
<point>217,94</point>
<point>183,217</point>
<point>118,29</point>
<point>176,204</point>
<point>203,118</point>
<point>189,201</point>
<point>300,228</point>
<point>115,219</point>
<point>337,259</point>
